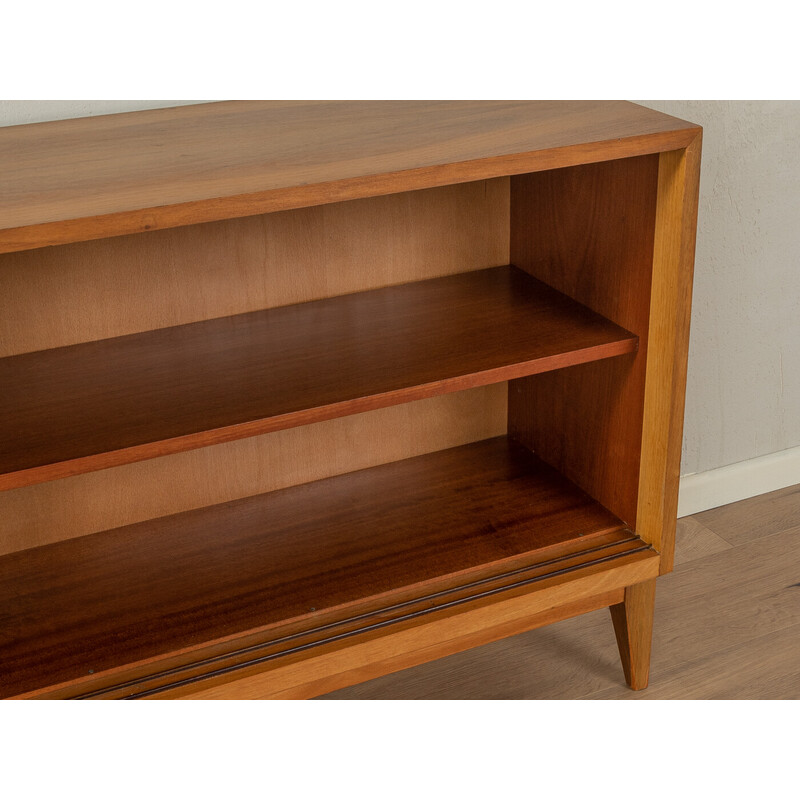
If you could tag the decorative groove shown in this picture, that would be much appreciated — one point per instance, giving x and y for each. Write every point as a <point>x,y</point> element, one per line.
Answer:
<point>372,626</point>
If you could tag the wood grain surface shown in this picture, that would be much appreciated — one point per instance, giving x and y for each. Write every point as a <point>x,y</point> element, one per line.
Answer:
<point>696,541</point>
<point>597,565</point>
<point>102,404</point>
<point>58,296</point>
<point>83,292</point>
<point>633,627</point>
<point>81,179</point>
<point>332,666</point>
<point>588,231</point>
<point>49,512</point>
<point>671,304</point>
<point>402,649</point>
<point>727,626</point>
<point>100,602</point>
<point>754,518</point>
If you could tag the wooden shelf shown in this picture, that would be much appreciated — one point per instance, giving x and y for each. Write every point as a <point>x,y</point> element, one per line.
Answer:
<point>91,406</point>
<point>316,560</point>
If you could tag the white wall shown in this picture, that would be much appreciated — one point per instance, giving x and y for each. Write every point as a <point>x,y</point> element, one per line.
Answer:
<point>743,394</point>
<point>21,112</point>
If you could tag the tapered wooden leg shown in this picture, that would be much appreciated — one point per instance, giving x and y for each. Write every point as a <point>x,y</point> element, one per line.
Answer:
<point>633,625</point>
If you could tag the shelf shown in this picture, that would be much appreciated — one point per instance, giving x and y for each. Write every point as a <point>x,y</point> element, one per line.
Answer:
<point>101,404</point>
<point>329,556</point>
<point>79,179</point>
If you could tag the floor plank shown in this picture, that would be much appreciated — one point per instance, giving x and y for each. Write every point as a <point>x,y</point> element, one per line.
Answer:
<point>693,540</point>
<point>754,518</point>
<point>765,668</point>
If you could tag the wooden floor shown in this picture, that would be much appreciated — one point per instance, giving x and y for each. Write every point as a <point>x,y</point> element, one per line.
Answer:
<point>727,627</point>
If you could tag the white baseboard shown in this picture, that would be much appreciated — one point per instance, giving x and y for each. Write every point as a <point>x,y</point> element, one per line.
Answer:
<point>717,487</point>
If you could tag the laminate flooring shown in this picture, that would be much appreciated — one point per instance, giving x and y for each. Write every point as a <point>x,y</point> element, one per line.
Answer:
<point>727,626</point>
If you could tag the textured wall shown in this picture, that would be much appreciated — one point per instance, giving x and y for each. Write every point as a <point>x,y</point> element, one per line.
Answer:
<point>743,395</point>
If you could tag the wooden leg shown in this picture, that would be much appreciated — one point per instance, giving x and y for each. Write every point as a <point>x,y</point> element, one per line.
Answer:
<point>633,625</point>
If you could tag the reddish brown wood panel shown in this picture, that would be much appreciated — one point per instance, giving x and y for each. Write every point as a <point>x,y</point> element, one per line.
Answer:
<point>588,231</point>
<point>600,559</point>
<point>111,498</point>
<point>101,404</point>
<point>99,602</point>
<point>81,179</point>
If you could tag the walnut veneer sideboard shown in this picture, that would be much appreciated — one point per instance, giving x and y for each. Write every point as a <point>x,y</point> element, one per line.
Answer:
<point>295,394</point>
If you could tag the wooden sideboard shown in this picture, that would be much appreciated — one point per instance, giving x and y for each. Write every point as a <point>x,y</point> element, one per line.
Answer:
<point>295,394</point>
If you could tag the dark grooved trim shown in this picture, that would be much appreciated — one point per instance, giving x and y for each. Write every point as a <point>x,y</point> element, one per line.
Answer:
<point>364,629</point>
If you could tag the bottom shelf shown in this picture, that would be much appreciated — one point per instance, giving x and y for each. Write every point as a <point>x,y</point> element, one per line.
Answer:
<point>132,610</point>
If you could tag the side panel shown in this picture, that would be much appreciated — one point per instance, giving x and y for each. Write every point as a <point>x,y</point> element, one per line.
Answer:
<point>673,267</point>
<point>589,232</point>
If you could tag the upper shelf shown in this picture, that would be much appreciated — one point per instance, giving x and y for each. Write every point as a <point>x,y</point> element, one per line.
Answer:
<point>101,404</point>
<point>90,178</point>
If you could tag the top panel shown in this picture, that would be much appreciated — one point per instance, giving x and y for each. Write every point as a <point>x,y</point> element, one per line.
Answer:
<point>90,178</point>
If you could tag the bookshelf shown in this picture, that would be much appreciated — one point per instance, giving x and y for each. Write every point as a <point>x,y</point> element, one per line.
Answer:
<point>295,394</point>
